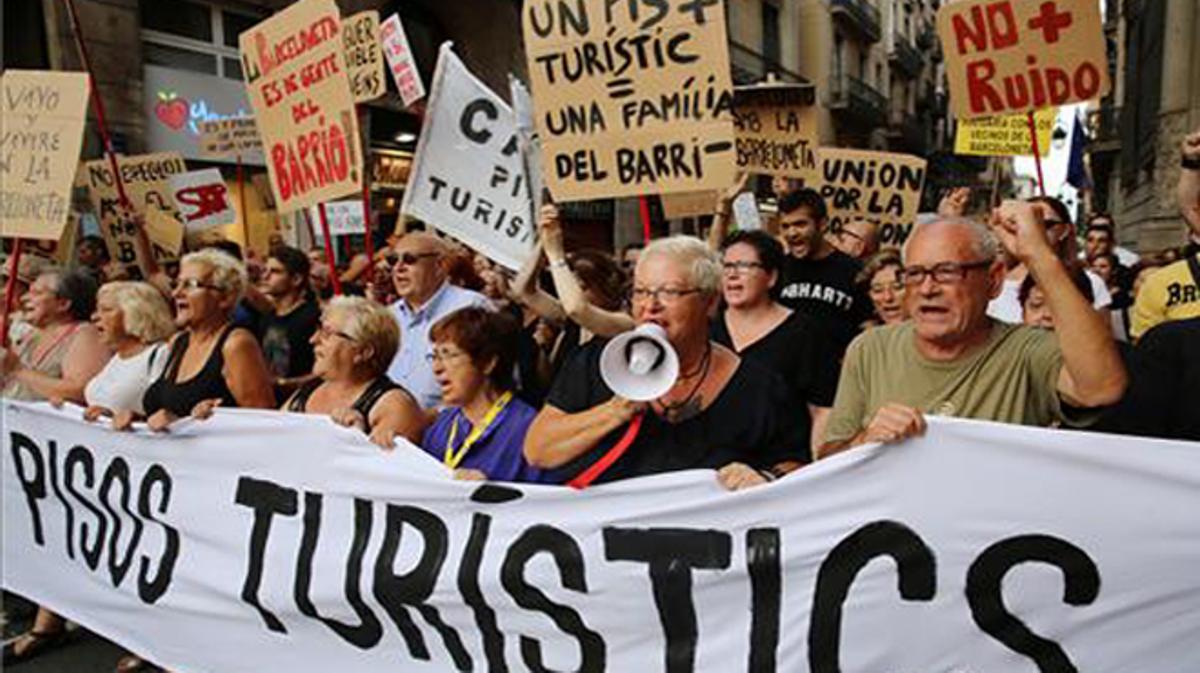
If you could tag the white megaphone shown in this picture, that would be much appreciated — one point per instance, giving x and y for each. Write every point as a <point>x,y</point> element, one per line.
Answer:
<point>640,365</point>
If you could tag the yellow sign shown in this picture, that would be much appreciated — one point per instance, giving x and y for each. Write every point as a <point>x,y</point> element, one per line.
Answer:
<point>1005,136</point>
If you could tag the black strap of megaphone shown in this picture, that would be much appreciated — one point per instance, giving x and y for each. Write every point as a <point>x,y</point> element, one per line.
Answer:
<point>662,352</point>
<point>593,472</point>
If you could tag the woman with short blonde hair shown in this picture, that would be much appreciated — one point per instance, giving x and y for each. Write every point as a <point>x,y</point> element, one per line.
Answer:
<point>134,321</point>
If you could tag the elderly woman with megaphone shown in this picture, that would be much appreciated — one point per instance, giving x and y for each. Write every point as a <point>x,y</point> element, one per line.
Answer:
<point>715,410</point>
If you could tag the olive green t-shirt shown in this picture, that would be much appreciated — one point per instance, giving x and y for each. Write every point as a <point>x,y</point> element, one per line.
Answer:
<point>1012,378</point>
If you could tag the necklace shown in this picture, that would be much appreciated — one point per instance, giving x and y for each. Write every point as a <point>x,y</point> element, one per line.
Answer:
<point>677,409</point>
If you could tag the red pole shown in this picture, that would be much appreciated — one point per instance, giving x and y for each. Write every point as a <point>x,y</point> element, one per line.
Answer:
<point>1037,155</point>
<point>105,138</point>
<point>10,291</point>
<point>242,199</point>
<point>644,207</point>
<point>333,272</point>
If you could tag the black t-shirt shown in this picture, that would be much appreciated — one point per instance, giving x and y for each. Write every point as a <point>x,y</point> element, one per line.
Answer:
<point>1164,377</point>
<point>749,422</point>
<point>825,289</point>
<point>797,351</point>
<point>285,339</point>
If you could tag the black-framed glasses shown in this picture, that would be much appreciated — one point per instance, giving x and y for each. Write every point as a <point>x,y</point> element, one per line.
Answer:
<point>741,267</point>
<point>667,295</point>
<point>944,272</point>
<point>411,258</point>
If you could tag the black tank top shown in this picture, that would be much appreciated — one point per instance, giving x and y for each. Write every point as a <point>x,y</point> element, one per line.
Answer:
<point>180,397</point>
<point>363,405</point>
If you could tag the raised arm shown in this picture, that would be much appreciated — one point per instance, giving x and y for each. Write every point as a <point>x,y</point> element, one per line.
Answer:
<point>724,212</point>
<point>556,438</point>
<point>576,306</point>
<point>1092,374</point>
<point>525,290</point>
<point>1189,183</point>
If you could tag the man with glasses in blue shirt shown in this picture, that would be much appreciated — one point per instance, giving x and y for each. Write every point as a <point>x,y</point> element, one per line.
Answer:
<point>426,295</point>
<point>952,359</point>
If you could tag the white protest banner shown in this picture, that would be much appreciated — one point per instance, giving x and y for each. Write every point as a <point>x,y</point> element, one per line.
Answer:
<point>631,100</point>
<point>203,199</point>
<point>745,212</point>
<point>364,61</point>
<point>147,183</point>
<point>299,546</point>
<point>400,61</point>
<point>468,177</point>
<point>344,217</point>
<point>1008,56</point>
<point>44,113</point>
<point>776,129</point>
<point>1005,135</point>
<point>297,85</point>
<point>530,143</point>
<point>230,137</point>
<point>881,187</point>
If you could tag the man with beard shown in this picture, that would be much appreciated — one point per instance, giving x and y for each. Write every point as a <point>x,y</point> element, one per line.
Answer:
<point>286,329</point>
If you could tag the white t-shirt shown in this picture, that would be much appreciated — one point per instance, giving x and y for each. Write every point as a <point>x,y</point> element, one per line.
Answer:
<point>1007,306</point>
<point>123,381</point>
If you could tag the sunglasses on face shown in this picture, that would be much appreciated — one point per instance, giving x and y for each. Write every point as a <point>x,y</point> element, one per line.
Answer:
<point>411,258</point>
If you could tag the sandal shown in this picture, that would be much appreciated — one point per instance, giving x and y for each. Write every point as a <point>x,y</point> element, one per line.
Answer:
<point>132,663</point>
<point>39,642</point>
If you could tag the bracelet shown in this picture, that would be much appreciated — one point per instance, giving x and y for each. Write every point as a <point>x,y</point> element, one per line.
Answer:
<point>1190,163</point>
<point>559,264</point>
<point>768,475</point>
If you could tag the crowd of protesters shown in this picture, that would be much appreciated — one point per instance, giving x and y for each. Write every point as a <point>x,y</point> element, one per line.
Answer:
<point>793,343</point>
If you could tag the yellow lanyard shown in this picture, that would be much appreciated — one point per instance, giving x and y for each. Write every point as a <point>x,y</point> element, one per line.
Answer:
<point>453,458</point>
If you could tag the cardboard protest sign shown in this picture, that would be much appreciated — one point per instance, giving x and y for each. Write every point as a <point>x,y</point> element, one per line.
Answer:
<point>344,217</point>
<point>776,131</point>
<point>147,183</point>
<point>364,60</point>
<point>41,133</point>
<point>229,137</point>
<point>880,187</point>
<point>1006,56</point>
<point>203,199</point>
<point>689,204</point>
<point>1005,135</point>
<point>400,61</point>
<point>468,179</point>
<point>631,100</point>
<point>297,85</point>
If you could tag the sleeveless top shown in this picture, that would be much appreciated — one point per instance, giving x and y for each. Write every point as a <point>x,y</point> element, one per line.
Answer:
<point>43,358</point>
<point>364,404</point>
<point>180,397</point>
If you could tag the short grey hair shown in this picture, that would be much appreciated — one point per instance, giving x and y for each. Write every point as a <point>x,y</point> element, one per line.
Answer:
<point>369,324</point>
<point>983,242</point>
<point>143,308</point>
<point>703,265</point>
<point>226,271</point>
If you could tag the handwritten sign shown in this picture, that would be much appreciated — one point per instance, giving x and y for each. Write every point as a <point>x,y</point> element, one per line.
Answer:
<point>147,183</point>
<point>400,61</point>
<point>776,131</point>
<point>42,131</point>
<point>631,97</point>
<point>203,199</point>
<point>364,62</point>
<point>1004,135</point>
<point>297,84</point>
<point>1006,56</point>
<point>229,137</point>
<point>880,187</point>
<point>468,179</point>
<point>344,217</point>
<point>689,204</point>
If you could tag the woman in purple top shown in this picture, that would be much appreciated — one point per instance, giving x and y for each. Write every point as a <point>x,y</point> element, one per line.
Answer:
<point>481,430</point>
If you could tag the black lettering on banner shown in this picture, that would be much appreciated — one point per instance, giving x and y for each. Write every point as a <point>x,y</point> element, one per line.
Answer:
<point>468,586</point>
<point>68,513</point>
<point>368,631</point>
<point>78,455</point>
<point>33,485</point>
<point>151,590</point>
<point>118,472</point>
<point>985,593</point>
<point>917,580</point>
<point>416,586</point>
<point>467,121</point>
<point>266,499</point>
<point>672,554</point>
<point>568,558</point>
<point>763,549</point>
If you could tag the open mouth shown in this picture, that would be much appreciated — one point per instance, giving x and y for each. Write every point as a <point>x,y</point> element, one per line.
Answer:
<point>932,311</point>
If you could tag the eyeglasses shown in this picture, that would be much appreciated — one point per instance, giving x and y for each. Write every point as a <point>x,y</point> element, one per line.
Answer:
<point>443,356</point>
<point>878,288</point>
<point>411,258</point>
<point>195,284</point>
<point>666,295</point>
<point>943,273</point>
<point>325,331</point>
<point>741,267</point>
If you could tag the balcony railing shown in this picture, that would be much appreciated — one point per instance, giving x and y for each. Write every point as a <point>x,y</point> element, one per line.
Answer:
<point>751,67</point>
<point>859,15</point>
<point>907,59</point>
<point>859,99</point>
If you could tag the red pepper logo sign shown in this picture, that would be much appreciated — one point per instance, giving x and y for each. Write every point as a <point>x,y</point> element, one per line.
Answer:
<point>206,200</point>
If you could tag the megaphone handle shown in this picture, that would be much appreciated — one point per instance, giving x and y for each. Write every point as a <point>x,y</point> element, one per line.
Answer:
<point>585,478</point>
